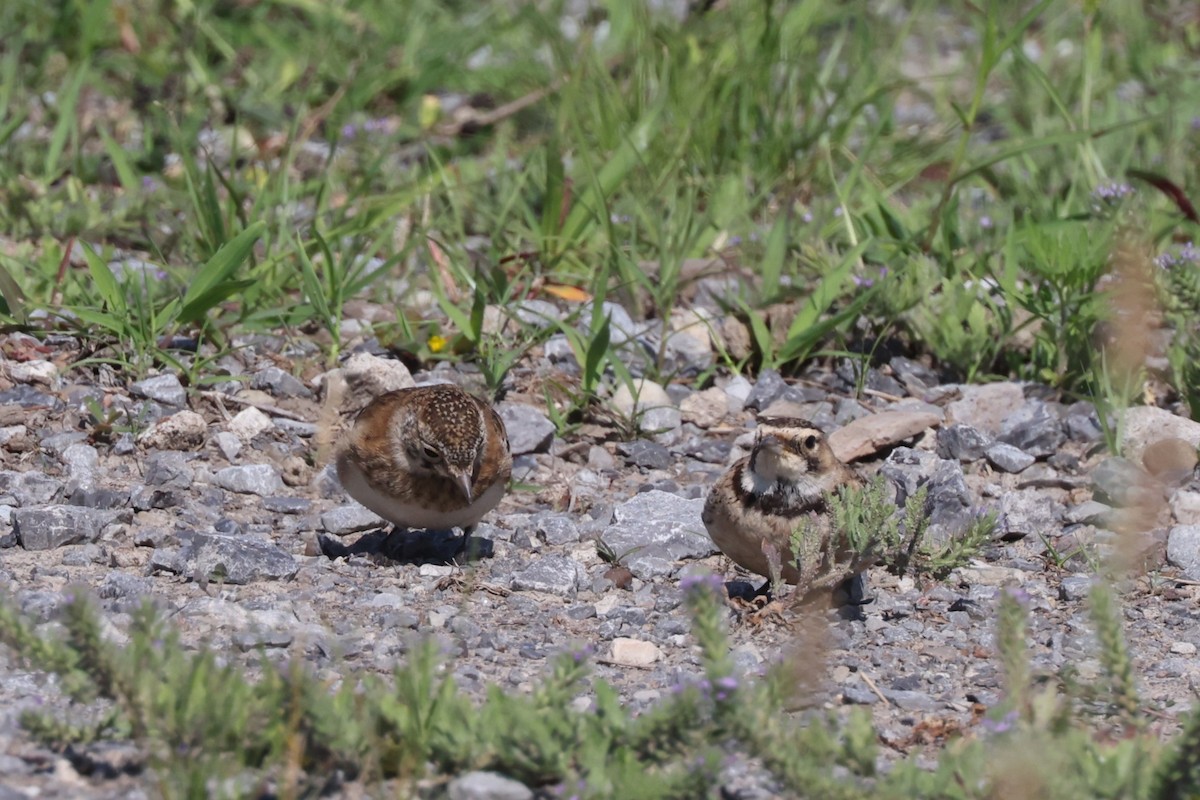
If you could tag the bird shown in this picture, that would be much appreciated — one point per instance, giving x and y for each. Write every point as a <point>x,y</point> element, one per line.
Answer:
<point>427,457</point>
<point>773,506</point>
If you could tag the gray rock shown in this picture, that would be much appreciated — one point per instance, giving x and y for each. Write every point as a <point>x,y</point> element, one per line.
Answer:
<point>165,389</point>
<point>229,444</point>
<point>1090,512</point>
<point>122,585</point>
<point>916,377</point>
<point>58,442</point>
<point>1034,428</point>
<point>30,488</point>
<point>985,406</point>
<point>962,442</point>
<point>1183,549</point>
<point>621,327</point>
<point>143,498</point>
<point>948,498</point>
<point>1082,424</point>
<point>487,786</point>
<point>55,526</point>
<point>646,454</point>
<point>660,420</point>
<point>554,574</point>
<point>350,518</point>
<point>1008,458</point>
<point>556,529</point>
<point>911,700</point>
<point>737,392</point>
<point>168,468</point>
<point>237,559</point>
<point>99,498</point>
<point>1075,587</point>
<point>654,530</point>
<point>767,389</point>
<point>279,383</point>
<point>26,396</point>
<point>529,431</point>
<point>1119,481</point>
<point>1029,513</point>
<point>287,505</point>
<point>82,461</point>
<point>259,479</point>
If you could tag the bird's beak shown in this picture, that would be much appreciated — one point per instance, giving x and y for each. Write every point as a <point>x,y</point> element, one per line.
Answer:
<point>769,441</point>
<point>463,481</point>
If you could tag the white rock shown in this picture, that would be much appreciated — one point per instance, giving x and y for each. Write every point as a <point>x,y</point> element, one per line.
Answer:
<point>1185,507</point>
<point>373,375</point>
<point>43,372</point>
<point>634,652</point>
<point>248,423</point>
<point>1183,648</point>
<point>643,395</point>
<point>1145,425</point>
<point>184,430</point>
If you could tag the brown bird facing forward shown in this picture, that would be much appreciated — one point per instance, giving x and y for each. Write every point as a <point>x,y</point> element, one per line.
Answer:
<point>427,457</point>
<point>773,505</point>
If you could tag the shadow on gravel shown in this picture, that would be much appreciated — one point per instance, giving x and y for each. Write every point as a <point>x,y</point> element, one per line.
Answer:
<point>403,546</point>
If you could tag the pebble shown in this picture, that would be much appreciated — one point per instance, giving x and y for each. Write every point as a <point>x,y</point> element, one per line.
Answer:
<point>1119,481</point>
<point>645,454</point>
<point>487,786</point>
<point>1183,648</point>
<point>529,431</point>
<point>873,433</point>
<point>82,462</point>
<point>55,526</point>
<point>165,389</point>
<point>1008,458</point>
<point>657,530</point>
<point>229,443</point>
<point>634,652</point>
<point>30,488</point>
<point>37,371</point>
<point>259,479</point>
<point>555,574</point>
<point>184,430</point>
<point>705,409</point>
<point>986,406</point>
<point>237,559</point>
<point>1034,429</point>
<point>1075,587</point>
<point>279,383</point>
<point>248,423</point>
<point>349,518</point>
<point>1183,549</point>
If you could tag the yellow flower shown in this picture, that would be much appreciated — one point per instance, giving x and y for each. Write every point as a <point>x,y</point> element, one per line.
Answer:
<point>436,344</point>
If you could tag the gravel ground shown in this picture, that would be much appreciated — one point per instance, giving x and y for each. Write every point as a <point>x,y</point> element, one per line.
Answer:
<point>216,507</point>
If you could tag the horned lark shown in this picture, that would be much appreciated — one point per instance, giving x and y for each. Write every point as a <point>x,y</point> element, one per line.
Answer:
<point>427,457</point>
<point>772,506</point>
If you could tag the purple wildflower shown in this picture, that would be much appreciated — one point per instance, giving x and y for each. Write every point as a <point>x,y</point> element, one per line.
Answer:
<point>1018,595</point>
<point>699,582</point>
<point>807,216</point>
<point>1002,725</point>
<point>1112,193</point>
<point>986,222</point>
<point>583,653</point>
<point>1188,256</point>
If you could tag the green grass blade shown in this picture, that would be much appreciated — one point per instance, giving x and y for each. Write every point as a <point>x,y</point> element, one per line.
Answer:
<point>68,100</point>
<point>199,297</point>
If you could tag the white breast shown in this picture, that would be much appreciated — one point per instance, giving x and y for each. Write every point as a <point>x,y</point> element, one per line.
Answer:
<point>412,515</point>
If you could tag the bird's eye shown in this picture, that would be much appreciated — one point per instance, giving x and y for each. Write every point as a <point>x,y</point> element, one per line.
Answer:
<point>430,453</point>
<point>810,443</point>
